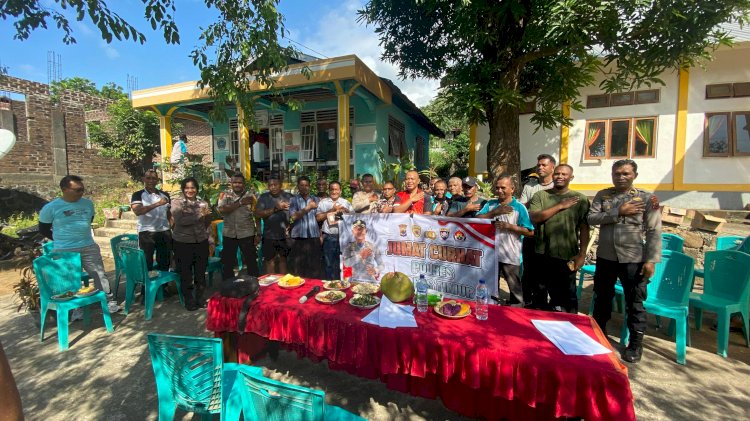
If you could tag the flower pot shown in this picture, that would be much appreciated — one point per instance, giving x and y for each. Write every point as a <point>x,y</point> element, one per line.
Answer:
<point>112,213</point>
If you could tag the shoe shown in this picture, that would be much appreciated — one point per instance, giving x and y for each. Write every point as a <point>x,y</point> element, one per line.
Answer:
<point>191,307</point>
<point>203,304</point>
<point>634,351</point>
<point>113,307</point>
<point>76,314</point>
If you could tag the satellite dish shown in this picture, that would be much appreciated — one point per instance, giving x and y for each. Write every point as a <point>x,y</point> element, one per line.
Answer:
<point>7,140</point>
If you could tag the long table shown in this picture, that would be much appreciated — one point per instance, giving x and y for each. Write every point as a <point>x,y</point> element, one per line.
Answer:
<point>499,368</point>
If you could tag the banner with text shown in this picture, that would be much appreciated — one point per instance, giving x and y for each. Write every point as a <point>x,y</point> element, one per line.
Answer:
<point>452,253</point>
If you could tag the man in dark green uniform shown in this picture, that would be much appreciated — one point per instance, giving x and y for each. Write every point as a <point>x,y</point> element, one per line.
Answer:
<point>562,235</point>
<point>629,245</point>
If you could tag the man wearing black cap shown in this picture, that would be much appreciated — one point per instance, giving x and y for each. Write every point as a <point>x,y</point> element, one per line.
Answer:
<point>362,256</point>
<point>468,205</point>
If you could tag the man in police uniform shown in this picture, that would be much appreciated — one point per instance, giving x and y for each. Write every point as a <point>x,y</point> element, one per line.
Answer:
<point>629,245</point>
<point>362,256</point>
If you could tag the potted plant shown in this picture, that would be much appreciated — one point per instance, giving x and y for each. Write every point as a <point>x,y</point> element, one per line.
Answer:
<point>26,294</point>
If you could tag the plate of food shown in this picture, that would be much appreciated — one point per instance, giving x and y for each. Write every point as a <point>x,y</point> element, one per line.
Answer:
<point>364,301</point>
<point>336,285</point>
<point>330,297</point>
<point>290,282</point>
<point>65,296</point>
<point>452,309</point>
<point>365,288</point>
<point>86,291</point>
<point>267,280</point>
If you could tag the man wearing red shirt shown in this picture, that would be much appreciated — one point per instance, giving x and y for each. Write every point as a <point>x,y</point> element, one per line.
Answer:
<point>412,199</point>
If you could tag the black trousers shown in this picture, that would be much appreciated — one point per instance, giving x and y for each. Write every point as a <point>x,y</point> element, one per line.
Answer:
<point>149,241</point>
<point>633,285</point>
<point>305,257</point>
<point>559,281</point>
<point>529,281</point>
<point>249,255</point>
<point>192,259</point>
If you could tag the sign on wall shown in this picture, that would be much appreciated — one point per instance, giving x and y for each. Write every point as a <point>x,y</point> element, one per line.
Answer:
<point>452,253</point>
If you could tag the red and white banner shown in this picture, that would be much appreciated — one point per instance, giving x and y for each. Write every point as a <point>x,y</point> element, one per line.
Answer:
<point>452,253</point>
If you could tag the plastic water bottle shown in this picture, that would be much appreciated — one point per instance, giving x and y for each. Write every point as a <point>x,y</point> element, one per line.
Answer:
<point>482,297</point>
<point>422,294</point>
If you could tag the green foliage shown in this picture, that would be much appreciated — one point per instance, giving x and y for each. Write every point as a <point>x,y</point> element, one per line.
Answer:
<point>453,157</point>
<point>110,90</point>
<point>493,56</point>
<point>392,169</point>
<point>19,221</point>
<point>29,15</point>
<point>131,135</point>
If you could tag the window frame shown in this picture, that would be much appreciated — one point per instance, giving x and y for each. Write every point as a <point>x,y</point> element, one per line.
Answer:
<point>630,95</point>
<point>743,86</point>
<point>587,152</point>
<point>730,141</point>
<point>719,85</point>
<point>655,133</point>
<point>657,96</point>
<point>609,138</point>
<point>591,98</point>
<point>734,133</point>
<point>632,121</point>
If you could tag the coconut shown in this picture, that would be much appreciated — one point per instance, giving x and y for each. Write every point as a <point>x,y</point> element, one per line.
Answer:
<point>397,286</point>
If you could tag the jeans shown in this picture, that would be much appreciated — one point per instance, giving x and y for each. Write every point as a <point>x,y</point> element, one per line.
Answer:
<point>633,285</point>
<point>332,256</point>
<point>148,241</point>
<point>192,260</point>
<point>229,256</point>
<point>91,261</point>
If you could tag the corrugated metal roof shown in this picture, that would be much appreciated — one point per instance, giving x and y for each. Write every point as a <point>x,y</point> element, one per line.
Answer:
<point>735,31</point>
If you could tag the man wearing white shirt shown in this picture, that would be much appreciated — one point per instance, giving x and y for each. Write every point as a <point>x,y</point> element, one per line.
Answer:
<point>329,212</point>
<point>151,205</point>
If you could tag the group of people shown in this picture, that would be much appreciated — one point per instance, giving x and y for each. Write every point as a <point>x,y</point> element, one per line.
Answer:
<point>545,231</point>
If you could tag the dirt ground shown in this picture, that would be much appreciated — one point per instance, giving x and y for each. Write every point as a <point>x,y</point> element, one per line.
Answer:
<point>109,376</point>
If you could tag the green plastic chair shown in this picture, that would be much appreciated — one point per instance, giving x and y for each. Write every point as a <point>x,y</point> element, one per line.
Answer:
<point>729,242</point>
<point>667,296</point>
<point>672,242</point>
<point>744,246</point>
<point>57,273</point>
<point>135,270</point>
<point>47,249</point>
<point>190,374</point>
<point>124,240</point>
<point>725,292</point>
<point>262,399</point>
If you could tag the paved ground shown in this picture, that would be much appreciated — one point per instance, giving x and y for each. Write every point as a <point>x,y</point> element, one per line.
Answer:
<point>109,376</point>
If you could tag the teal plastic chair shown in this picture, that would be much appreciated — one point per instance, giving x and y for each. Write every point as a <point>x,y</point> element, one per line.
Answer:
<point>729,242</point>
<point>262,399</point>
<point>47,249</point>
<point>124,240</point>
<point>744,246</point>
<point>619,298</point>
<point>135,270</point>
<point>725,291</point>
<point>57,273</point>
<point>190,374</point>
<point>672,242</point>
<point>668,295</point>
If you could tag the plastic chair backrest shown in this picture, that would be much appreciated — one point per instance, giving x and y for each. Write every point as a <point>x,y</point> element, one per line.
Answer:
<point>57,273</point>
<point>727,275</point>
<point>274,400</point>
<point>134,264</point>
<point>745,246</point>
<point>728,242</point>
<point>48,247</point>
<point>188,371</point>
<point>123,240</point>
<point>672,279</point>
<point>220,234</point>
<point>672,242</point>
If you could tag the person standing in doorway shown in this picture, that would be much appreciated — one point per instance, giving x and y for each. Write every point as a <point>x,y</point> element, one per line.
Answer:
<point>151,205</point>
<point>629,246</point>
<point>562,235</point>
<point>240,229</point>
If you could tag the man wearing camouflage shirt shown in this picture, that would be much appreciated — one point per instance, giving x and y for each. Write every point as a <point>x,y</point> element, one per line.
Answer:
<point>629,245</point>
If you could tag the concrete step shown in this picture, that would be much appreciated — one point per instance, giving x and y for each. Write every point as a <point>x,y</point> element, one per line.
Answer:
<point>110,232</point>
<point>129,215</point>
<point>105,247</point>
<point>128,224</point>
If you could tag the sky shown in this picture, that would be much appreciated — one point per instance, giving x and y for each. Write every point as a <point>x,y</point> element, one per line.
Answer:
<point>321,28</point>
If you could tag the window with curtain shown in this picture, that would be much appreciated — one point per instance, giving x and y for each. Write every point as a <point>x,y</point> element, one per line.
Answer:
<point>620,138</point>
<point>717,135</point>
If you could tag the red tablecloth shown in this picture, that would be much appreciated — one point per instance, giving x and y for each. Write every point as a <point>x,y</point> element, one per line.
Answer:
<point>499,368</point>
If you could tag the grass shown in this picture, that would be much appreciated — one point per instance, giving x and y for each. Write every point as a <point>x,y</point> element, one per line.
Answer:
<point>19,221</point>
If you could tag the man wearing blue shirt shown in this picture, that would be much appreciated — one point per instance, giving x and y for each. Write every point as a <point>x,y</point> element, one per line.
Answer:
<point>512,222</point>
<point>67,221</point>
<point>306,252</point>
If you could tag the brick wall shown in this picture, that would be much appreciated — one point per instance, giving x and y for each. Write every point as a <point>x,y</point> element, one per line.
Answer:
<point>199,137</point>
<point>31,161</point>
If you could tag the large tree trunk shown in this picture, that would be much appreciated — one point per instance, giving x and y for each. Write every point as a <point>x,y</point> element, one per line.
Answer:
<point>503,148</point>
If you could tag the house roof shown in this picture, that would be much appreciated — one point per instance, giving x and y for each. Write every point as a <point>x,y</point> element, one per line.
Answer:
<point>737,32</point>
<point>403,102</point>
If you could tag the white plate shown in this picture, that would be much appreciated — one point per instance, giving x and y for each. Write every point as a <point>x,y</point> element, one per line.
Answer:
<point>321,297</point>
<point>377,302</point>
<point>439,306</point>
<point>285,286</point>
<point>62,297</point>
<point>365,288</point>
<point>327,285</point>
<point>87,293</point>
<point>267,280</point>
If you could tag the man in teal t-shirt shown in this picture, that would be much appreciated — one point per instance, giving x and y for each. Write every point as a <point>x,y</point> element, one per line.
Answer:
<point>67,221</point>
<point>562,235</point>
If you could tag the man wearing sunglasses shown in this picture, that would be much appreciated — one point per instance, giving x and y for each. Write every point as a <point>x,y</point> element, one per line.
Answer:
<point>67,221</point>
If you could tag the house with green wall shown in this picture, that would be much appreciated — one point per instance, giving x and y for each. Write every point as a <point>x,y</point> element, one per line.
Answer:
<point>344,114</point>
